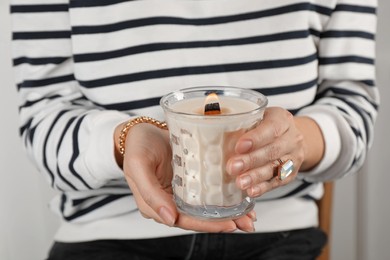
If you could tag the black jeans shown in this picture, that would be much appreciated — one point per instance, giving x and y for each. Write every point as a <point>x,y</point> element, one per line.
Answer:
<point>298,244</point>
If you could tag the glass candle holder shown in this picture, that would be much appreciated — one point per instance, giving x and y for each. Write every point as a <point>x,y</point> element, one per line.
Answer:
<point>202,144</point>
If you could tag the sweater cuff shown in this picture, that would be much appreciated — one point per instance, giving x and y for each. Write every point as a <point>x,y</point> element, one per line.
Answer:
<point>100,156</point>
<point>332,140</point>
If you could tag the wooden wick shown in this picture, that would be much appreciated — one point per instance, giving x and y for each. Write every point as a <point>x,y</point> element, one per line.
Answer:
<point>211,106</point>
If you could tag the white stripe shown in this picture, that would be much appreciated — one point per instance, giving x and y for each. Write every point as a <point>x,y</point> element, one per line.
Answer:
<point>194,57</point>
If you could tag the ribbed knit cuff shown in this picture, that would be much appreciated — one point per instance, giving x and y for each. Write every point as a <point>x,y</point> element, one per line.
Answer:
<point>99,156</point>
<point>332,141</point>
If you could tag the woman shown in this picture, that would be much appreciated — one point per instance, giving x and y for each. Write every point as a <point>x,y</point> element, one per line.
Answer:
<point>85,68</point>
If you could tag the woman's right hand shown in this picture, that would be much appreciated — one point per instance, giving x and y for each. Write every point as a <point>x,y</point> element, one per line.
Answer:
<point>147,169</point>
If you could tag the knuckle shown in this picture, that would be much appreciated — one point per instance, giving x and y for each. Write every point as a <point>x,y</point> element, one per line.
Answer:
<point>148,199</point>
<point>256,176</point>
<point>277,131</point>
<point>299,138</point>
<point>252,159</point>
<point>288,115</point>
<point>273,152</point>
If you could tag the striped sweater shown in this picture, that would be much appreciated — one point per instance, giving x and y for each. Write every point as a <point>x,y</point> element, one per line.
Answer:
<point>84,66</point>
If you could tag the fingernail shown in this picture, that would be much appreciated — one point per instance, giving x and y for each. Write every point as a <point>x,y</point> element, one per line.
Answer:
<point>245,181</point>
<point>236,167</point>
<point>167,216</point>
<point>244,146</point>
<point>252,215</point>
<point>255,191</point>
<point>251,228</point>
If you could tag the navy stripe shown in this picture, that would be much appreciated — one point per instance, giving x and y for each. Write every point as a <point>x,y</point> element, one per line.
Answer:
<point>355,8</point>
<point>355,160</point>
<point>300,188</point>
<point>77,202</point>
<point>63,203</point>
<point>347,34</point>
<point>345,59</point>
<point>346,92</point>
<point>361,113</point>
<point>30,131</point>
<point>293,111</point>
<point>38,8</point>
<point>197,70</point>
<point>125,106</point>
<point>31,134</point>
<point>287,89</point>
<point>41,35</point>
<point>368,82</point>
<point>45,142</point>
<point>196,21</point>
<point>356,132</point>
<point>95,206</point>
<point>187,45</point>
<point>39,61</point>
<point>315,32</point>
<point>92,3</point>
<point>31,103</point>
<point>46,82</point>
<point>25,127</point>
<point>321,9</point>
<point>76,152</point>
<point>308,197</point>
<point>64,131</point>
<point>339,108</point>
<point>317,8</point>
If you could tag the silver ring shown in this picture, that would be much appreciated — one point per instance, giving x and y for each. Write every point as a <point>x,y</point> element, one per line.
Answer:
<point>285,169</point>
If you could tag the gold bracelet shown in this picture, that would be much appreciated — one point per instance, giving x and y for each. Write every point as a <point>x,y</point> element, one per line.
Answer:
<point>133,122</point>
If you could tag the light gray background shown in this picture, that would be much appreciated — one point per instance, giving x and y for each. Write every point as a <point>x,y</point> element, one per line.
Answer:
<point>361,229</point>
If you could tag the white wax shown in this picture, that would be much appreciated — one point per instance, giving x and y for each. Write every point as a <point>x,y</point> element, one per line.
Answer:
<point>228,105</point>
<point>202,145</point>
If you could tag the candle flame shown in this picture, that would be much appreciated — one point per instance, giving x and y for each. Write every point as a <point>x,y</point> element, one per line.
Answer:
<point>211,106</point>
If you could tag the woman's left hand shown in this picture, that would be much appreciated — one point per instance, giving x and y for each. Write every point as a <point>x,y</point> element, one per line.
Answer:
<point>258,151</point>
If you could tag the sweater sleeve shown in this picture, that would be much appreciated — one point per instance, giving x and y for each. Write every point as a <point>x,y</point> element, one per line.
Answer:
<point>347,99</point>
<point>68,138</point>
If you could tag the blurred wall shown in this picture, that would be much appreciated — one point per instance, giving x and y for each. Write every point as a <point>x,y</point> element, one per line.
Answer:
<point>361,209</point>
<point>26,225</point>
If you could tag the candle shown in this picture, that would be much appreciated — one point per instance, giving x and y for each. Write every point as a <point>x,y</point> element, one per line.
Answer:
<point>202,144</point>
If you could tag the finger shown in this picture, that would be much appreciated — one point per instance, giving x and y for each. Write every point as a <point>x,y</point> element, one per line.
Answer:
<point>145,210</point>
<point>259,189</point>
<point>260,157</point>
<point>256,176</point>
<point>252,214</point>
<point>245,223</point>
<point>142,174</point>
<point>275,123</point>
<point>190,223</point>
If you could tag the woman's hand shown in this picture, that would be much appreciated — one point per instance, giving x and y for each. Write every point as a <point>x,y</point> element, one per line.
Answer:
<point>148,171</point>
<point>280,135</point>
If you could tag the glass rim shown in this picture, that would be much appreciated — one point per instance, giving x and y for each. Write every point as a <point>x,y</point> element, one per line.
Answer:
<point>183,91</point>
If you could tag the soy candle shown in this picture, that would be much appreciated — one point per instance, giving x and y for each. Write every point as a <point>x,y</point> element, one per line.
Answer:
<point>202,144</point>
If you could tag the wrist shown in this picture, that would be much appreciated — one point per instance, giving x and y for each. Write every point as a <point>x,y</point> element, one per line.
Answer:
<point>313,142</point>
<point>118,156</point>
<point>122,130</point>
